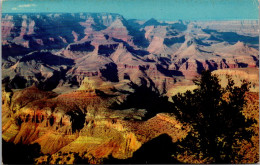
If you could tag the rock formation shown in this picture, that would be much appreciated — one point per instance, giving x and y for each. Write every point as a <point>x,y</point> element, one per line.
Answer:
<point>112,48</point>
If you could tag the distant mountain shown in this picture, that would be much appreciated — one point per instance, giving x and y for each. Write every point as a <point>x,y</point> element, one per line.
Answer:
<point>151,22</point>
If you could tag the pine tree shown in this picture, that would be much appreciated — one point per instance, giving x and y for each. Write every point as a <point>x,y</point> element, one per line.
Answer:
<point>215,115</point>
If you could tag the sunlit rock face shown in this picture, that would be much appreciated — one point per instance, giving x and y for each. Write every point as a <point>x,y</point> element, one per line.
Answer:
<point>80,122</point>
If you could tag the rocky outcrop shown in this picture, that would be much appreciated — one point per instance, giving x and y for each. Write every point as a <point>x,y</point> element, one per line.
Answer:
<point>43,69</point>
<point>80,122</point>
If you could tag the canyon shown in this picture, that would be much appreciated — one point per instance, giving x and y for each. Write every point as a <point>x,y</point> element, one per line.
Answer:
<point>70,81</point>
<point>58,50</point>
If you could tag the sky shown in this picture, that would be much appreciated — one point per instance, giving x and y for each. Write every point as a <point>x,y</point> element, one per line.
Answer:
<point>164,10</point>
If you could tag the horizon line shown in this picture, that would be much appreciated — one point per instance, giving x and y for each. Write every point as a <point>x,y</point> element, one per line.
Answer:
<point>166,20</point>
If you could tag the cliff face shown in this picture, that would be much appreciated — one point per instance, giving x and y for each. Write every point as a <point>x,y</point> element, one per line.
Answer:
<point>248,27</point>
<point>238,75</point>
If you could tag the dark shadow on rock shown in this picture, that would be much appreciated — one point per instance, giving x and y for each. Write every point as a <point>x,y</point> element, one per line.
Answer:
<point>78,119</point>
<point>52,82</point>
<point>131,49</point>
<point>256,60</point>
<point>179,26</point>
<point>170,41</point>
<point>83,47</point>
<point>168,73</point>
<point>20,153</point>
<point>18,82</point>
<point>212,66</point>
<point>110,73</point>
<point>107,50</point>
<point>47,58</point>
<point>242,65</point>
<point>13,50</point>
<point>139,38</point>
<point>200,67</point>
<point>145,98</point>
<point>231,37</point>
<point>156,151</point>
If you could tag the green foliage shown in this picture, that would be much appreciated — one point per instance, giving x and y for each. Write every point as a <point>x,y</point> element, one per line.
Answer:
<point>215,114</point>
